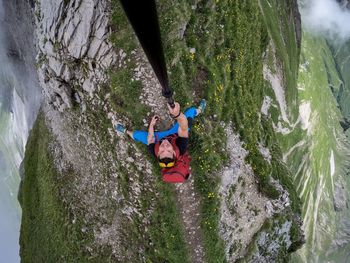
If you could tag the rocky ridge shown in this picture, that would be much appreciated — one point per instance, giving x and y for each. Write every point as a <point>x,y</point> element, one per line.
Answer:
<point>188,199</point>
<point>344,3</point>
<point>244,210</point>
<point>68,60</point>
<point>73,49</point>
<point>74,54</point>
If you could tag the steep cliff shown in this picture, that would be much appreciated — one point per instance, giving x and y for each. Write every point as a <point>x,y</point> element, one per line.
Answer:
<point>90,194</point>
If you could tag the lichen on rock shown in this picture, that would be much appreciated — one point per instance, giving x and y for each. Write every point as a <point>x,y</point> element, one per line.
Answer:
<point>73,38</point>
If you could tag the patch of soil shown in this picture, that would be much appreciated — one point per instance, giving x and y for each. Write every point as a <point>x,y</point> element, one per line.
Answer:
<point>199,82</point>
<point>188,199</point>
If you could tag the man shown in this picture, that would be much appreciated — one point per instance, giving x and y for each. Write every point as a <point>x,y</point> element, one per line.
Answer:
<point>170,146</point>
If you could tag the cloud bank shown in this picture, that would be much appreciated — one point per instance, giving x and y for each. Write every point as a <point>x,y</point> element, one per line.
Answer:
<point>328,18</point>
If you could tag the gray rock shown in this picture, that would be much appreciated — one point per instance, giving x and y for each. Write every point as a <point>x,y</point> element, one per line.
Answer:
<point>80,29</point>
<point>55,65</point>
<point>77,33</point>
<point>66,74</point>
<point>77,97</point>
<point>340,197</point>
<point>130,159</point>
<point>95,46</point>
<point>88,86</point>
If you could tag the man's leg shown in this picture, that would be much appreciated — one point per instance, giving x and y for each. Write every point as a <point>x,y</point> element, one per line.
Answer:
<point>139,136</point>
<point>190,113</point>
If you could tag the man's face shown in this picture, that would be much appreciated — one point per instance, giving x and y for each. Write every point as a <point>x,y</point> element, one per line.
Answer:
<point>166,150</point>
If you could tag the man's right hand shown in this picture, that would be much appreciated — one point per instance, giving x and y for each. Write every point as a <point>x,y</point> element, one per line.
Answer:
<point>174,111</point>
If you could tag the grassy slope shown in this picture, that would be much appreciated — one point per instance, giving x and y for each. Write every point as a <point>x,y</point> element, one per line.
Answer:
<point>47,232</point>
<point>342,92</point>
<point>280,22</point>
<point>163,239</point>
<point>312,178</point>
<point>229,37</point>
<point>315,183</point>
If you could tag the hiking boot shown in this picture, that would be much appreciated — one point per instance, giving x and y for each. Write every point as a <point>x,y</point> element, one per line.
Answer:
<point>120,128</point>
<point>202,106</point>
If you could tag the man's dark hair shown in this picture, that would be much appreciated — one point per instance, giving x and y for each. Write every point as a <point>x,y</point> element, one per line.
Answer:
<point>166,160</point>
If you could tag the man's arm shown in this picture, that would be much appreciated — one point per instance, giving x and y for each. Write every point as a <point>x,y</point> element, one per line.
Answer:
<point>150,137</point>
<point>181,119</point>
<point>183,126</point>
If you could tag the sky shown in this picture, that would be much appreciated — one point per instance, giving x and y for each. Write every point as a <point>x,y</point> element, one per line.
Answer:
<point>327,18</point>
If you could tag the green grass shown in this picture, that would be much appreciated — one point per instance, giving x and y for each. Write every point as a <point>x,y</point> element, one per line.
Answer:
<point>341,58</point>
<point>47,231</point>
<point>271,227</point>
<point>279,19</point>
<point>164,239</point>
<point>166,231</point>
<point>326,136</point>
<point>229,37</point>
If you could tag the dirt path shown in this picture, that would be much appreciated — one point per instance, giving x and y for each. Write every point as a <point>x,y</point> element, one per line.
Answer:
<point>189,206</point>
<point>188,199</point>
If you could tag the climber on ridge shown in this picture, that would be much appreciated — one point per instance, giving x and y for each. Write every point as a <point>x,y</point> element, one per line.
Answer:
<point>169,147</point>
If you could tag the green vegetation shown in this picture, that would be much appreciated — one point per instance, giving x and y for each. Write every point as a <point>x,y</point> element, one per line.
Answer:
<point>165,233</point>
<point>318,76</point>
<point>229,39</point>
<point>279,17</point>
<point>341,92</point>
<point>269,233</point>
<point>47,231</point>
<point>125,95</point>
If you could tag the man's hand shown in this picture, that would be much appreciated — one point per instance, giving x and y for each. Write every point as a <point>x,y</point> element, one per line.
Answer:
<point>150,137</point>
<point>154,120</point>
<point>174,111</point>
<point>181,119</point>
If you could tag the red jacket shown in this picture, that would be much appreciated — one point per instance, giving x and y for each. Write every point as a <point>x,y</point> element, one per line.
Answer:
<point>181,170</point>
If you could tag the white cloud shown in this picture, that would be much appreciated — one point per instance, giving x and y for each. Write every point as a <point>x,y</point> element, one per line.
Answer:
<point>328,18</point>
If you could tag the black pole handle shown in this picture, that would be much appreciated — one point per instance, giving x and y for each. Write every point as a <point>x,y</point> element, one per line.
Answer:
<point>143,17</point>
<point>168,94</point>
<point>171,102</point>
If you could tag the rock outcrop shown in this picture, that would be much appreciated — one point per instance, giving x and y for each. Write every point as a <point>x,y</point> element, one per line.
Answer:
<point>73,49</point>
<point>74,56</point>
<point>111,183</point>
<point>244,210</point>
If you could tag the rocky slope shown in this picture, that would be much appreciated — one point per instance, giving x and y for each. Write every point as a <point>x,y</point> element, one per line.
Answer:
<point>103,190</point>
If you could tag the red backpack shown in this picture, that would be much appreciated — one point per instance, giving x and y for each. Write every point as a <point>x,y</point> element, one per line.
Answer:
<point>180,172</point>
